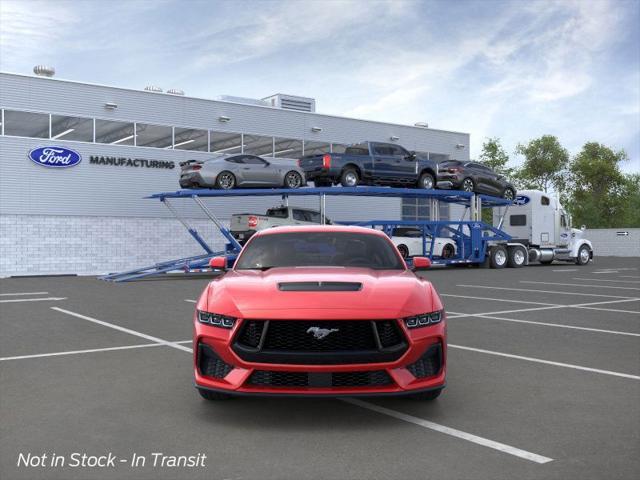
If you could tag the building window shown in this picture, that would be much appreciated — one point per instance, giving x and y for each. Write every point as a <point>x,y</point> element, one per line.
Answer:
<point>26,124</point>
<point>316,148</point>
<point>115,133</point>
<point>156,136</point>
<point>71,128</point>
<point>287,148</point>
<point>258,145</point>
<point>419,209</point>
<point>191,139</point>
<point>226,143</point>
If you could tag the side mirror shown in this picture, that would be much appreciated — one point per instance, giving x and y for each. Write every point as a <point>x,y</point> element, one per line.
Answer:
<point>583,227</point>
<point>411,156</point>
<point>421,263</point>
<point>218,263</point>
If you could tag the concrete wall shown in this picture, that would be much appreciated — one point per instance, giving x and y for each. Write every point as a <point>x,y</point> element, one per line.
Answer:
<point>608,242</point>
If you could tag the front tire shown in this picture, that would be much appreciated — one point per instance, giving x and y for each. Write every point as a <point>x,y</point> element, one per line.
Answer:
<point>426,182</point>
<point>468,185</point>
<point>509,194</point>
<point>213,396</point>
<point>448,251</point>
<point>426,396</point>
<point>584,255</point>
<point>225,180</point>
<point>349,178</point>
<point>293,180</point>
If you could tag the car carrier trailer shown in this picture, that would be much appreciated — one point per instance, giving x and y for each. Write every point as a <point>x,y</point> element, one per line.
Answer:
<point>477,243</point>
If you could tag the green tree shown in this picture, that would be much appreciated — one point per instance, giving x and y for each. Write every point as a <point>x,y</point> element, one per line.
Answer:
<point>599,194</point>
<point>494,156</point>
<point>544,165</point>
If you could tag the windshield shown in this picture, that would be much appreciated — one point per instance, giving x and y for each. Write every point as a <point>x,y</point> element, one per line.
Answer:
<point>318,249</point>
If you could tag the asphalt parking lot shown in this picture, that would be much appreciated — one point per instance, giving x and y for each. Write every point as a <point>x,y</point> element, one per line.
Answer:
<point>543,382</point>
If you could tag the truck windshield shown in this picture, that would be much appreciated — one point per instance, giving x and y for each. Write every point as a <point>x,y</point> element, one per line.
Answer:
<point>319,249</point>
<point>357,149</point>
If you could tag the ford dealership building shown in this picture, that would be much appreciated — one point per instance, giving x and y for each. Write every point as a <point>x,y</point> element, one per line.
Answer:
<point>77,160</point>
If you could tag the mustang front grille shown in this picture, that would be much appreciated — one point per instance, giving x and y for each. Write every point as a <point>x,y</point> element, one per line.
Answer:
<point>267,378</point>
<point>315,342</point>
<point>210,365</point>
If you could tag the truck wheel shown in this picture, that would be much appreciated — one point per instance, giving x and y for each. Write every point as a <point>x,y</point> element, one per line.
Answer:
<point>584,255</point>
<point>293,179</point>
<point>225,180</point>
<point>467,185</point>
<point>212,396</point>
<point>404,251</point>
<point>499,257</point>
<point>349,178</point>
<point>426,181</point>
<point>517,257</point>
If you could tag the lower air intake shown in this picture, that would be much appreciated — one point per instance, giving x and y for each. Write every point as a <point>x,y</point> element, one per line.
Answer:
<point>429,364</point>
<point>210,365</point>
<point>267,378</point>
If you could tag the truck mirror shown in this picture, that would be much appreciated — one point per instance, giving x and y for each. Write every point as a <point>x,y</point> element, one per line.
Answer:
<point>583,227</point>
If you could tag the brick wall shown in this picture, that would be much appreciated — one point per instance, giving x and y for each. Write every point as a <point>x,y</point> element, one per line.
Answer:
<point>41,245</point>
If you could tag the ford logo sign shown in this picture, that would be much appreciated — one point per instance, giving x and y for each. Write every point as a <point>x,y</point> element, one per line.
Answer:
<point>55,157</point>
<point>521,200</point>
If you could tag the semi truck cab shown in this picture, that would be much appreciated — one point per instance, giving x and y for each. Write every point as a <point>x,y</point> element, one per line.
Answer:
<point>538,222</point>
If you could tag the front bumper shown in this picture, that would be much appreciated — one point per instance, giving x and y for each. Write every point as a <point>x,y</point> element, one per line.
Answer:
<point>414,372</point>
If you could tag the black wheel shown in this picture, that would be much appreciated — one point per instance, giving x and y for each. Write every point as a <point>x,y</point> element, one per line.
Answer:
<point>293,179</point>
<point>508,194</point>
<point>404,251</point>
<point>213,396</point>
<point>226,180</point>
<point>517,257</point>
<point>426,396</point>
<point>467,185</point>
<point>426,181</point>
<point>448,251</point>
<point>584,255</point>
<point>349,178</point>
<point>322,183</point>
<point>499,257</point>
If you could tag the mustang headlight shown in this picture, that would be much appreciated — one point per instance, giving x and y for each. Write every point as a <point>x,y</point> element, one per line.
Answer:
<point>424,319</point>
<point>215,319</point>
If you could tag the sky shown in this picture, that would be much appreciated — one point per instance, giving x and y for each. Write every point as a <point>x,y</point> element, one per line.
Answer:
<point>515,69</point>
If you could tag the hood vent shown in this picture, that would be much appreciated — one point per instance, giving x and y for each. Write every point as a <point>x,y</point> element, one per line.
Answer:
<point>320,287</point>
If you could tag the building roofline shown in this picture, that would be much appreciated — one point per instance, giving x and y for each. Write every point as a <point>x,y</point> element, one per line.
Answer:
<point>232,103</point>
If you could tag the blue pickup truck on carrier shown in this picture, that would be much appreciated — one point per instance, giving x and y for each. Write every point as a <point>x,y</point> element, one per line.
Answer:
<point>371,163</point>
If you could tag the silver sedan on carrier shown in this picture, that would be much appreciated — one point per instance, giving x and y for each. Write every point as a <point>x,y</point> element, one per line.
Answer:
<point>234,171</point>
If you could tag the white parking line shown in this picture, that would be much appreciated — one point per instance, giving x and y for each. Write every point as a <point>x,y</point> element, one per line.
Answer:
<point>547,324</point>
<point>91,350</point>
<point>485,442</point>
<point>566,270</point>
<point>580,285</point>
<point>190,301</point>
<point>22,293</point>
<point>46,299</point>
<point>123,329</point>
<point>545,291</point>
<point>629,276</point>
<point>496,299</point>
<point>546,362</point>
<point>606,280</point>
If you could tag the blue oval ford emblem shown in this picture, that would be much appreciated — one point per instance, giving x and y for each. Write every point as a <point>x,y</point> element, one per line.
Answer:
<point>56,157</point>
<point>521,200</point>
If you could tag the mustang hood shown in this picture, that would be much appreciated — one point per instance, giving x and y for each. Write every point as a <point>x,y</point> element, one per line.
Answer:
<point>349,293</point>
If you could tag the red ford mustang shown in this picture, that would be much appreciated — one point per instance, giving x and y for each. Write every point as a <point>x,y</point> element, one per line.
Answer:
<point>319,310</point>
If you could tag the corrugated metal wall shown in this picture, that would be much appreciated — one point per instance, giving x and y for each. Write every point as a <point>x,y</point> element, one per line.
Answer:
<point>102,190</point>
